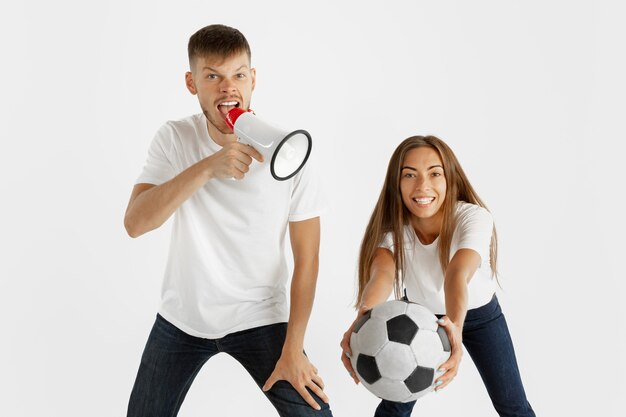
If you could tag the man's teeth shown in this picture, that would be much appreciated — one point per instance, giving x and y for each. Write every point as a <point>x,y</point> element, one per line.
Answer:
<point>424,200</point>
<point>228,103</point>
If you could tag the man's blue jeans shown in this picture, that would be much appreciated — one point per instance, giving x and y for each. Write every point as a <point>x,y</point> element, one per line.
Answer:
<point>488,342</point>
<point>172,359</point>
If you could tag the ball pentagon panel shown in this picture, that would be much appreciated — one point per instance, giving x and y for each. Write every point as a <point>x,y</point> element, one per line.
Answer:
<point>420,381</point>
<point>367,368</point>
<point>401,329</point>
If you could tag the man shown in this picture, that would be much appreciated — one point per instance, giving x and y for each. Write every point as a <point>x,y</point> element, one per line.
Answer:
<point>224,288</point>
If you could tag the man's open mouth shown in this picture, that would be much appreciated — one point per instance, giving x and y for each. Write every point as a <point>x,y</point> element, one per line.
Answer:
<point>225,106</point>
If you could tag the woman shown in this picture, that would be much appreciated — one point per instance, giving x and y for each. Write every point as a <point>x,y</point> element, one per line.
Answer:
<point>431,235</point>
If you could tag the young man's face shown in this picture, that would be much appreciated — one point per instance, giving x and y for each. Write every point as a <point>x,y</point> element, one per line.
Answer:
<point>221,84</point>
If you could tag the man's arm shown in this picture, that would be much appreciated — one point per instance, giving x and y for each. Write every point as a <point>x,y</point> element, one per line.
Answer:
<point>293,366</point>
<point>150,206</point>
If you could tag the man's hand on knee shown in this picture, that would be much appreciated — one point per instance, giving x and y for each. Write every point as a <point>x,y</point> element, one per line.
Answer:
<point>296,369</point>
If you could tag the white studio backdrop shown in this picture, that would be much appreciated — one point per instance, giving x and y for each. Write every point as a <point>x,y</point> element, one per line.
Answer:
<point>529,94</point>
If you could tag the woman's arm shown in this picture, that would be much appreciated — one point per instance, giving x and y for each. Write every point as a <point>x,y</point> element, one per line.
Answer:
<point>376,291</point>
<point>460,271</point>
<point>380,284</point>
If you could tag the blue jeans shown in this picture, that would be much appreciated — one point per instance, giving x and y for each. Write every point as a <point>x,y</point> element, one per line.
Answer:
<point>172,359</point>
<point>488,342</point>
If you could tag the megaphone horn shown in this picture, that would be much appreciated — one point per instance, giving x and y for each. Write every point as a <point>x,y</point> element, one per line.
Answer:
<point>287,151</point>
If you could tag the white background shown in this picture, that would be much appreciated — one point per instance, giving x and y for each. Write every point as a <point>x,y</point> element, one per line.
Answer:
<point>529,94</point>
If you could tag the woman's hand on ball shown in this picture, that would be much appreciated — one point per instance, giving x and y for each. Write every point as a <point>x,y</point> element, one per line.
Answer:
<point>346,351</point>
<point>451,366</point>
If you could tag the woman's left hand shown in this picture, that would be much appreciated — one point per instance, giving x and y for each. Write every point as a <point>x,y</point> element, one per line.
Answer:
<point>451,366</point>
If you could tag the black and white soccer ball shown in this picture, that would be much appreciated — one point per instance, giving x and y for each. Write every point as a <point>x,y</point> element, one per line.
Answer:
<point>397,348</point>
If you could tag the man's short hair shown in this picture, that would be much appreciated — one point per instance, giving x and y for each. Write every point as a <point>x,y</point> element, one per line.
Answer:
<point>216,41</point>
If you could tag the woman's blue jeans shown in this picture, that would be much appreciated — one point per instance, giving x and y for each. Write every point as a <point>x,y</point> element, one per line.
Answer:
<point>488,342</point>
<point>172,359</point>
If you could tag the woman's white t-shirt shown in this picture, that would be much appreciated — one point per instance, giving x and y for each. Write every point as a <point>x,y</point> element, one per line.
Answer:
<point>226,269</point>
<point>423,276</point>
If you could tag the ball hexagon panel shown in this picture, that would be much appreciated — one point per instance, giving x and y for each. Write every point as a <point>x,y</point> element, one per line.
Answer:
<point>427,349</point>
<point>389,309</point>
<point>390,390</point>
<point>401,329</point>
<point>396,361</point>
<point>422,317</point>
<point>372,336</point>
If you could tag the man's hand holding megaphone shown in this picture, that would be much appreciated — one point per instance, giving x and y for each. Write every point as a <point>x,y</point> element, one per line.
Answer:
<point>233,160</point>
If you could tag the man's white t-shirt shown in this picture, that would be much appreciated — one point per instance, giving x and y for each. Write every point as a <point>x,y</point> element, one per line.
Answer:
<point>226,269</point>
<point>423,276</point>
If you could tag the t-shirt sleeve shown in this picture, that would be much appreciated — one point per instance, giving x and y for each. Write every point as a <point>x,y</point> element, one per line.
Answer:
<point>159,167</point>
<point>474,229</point>
<point>387,242</point>
<point>307,198</point>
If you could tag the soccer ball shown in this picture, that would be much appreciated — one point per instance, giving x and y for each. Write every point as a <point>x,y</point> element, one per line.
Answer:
<point>396,349</point>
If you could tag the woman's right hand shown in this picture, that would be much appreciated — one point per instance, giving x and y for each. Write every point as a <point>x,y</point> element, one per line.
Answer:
<point>376,291</point>
<point>346,351</point>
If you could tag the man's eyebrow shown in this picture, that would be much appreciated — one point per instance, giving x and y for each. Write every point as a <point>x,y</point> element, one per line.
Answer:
<point>244,66</point>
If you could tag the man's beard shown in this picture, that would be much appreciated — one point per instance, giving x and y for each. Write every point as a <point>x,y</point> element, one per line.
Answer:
<point>224,131</point>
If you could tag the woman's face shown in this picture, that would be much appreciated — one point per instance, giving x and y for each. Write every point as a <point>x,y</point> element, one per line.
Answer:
<point>422,182</point>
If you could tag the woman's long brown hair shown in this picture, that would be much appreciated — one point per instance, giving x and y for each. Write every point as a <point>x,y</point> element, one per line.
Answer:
<point>391,215</point>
